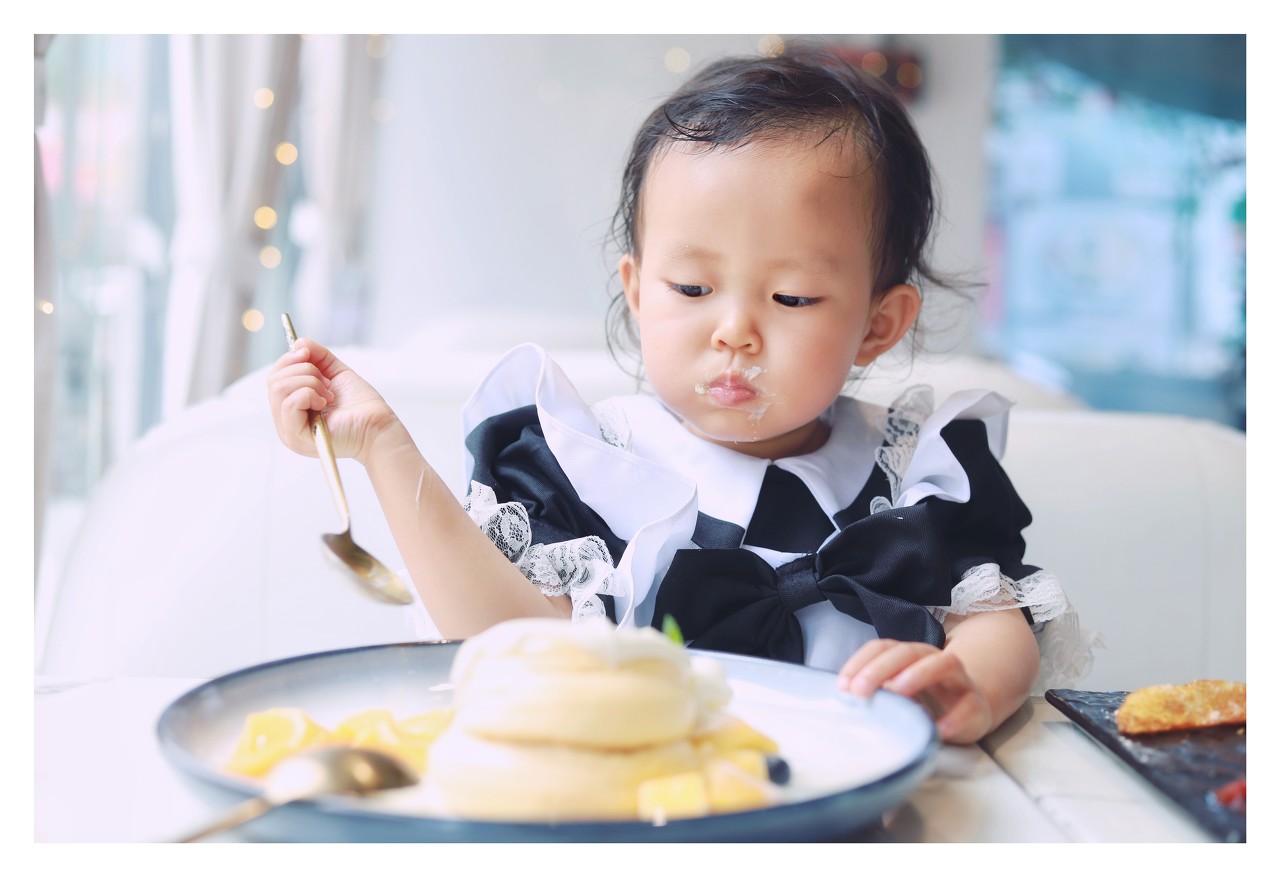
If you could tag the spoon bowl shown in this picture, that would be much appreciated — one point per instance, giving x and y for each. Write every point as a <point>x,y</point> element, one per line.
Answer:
<point>367,571</point>
<point>371,575</point>
<point>311,774</point>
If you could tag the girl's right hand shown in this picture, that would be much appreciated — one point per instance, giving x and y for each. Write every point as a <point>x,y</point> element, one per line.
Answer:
<point>310,378</point>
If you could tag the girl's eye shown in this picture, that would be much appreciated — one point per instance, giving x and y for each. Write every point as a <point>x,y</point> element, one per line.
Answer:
<point>691,290</point>
<point>793,301</point>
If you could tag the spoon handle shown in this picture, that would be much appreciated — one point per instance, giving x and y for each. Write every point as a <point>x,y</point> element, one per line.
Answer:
<point>324,444</point>
<point>237,815</point>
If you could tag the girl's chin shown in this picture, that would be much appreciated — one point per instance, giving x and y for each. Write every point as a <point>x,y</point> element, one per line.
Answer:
<point>726,426</point>
<point>757,438</point>
<point>757,443</point>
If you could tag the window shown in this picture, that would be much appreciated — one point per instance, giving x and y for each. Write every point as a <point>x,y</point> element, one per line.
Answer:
<point>105,150</point>
<point>1117,217</point>
<point>107,157</point>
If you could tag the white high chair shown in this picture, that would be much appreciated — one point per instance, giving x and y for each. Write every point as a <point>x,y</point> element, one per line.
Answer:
<point>200,551</point>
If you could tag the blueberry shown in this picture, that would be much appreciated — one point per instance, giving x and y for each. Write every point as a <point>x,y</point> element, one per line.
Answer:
<point>779,770</point>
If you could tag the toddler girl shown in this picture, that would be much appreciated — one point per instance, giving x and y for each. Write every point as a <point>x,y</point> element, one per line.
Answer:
<point>774,217</point>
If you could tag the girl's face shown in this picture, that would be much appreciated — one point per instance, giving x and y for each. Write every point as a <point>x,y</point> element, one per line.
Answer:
<point>751,289</point>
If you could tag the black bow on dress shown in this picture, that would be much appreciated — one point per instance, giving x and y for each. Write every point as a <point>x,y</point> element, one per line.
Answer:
<point>883,569</point>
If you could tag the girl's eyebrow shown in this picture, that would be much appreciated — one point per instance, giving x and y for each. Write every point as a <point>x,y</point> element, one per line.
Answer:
<point>691,252</point>
<point>808,263</point>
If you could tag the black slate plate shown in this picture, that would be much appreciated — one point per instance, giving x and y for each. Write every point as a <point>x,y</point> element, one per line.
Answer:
<point>1187,766</point>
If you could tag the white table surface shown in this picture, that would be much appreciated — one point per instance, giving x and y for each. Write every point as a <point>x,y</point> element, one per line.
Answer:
<point>100,777</point>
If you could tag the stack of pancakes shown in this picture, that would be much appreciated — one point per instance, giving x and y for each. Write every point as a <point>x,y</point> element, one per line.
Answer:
<point>562,721</point>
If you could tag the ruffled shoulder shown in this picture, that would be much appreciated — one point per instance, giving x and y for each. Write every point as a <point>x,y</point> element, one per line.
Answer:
<point>592,448</point>
<point>916,457</point>
<point>539,444</point>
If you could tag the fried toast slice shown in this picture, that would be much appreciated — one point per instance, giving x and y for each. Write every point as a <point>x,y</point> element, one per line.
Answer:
<point>1199,704</point>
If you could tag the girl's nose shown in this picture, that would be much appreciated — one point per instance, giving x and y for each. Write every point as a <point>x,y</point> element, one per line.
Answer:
<point>737,329</point>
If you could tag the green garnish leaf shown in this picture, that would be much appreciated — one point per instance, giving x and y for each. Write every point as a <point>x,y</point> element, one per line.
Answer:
<point>672,630</point>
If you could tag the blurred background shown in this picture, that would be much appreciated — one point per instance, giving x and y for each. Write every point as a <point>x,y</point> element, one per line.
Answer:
<point>190,188</point>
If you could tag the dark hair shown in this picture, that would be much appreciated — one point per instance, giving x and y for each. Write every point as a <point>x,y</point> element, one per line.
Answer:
<point>805,90</point>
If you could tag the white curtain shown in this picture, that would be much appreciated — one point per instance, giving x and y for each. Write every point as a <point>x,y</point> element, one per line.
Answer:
<point>224,169</point>
<point>45,339</point>
<point>340,79</point>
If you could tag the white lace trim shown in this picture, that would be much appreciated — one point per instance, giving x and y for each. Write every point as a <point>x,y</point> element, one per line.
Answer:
<point>984,588</point>
<point>1066,651</point>
<point>615,428</point>
<point>902,429</point>
<point>581,568</point>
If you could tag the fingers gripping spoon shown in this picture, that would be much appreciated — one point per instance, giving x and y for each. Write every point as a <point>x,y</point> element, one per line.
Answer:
<point>363,568</point>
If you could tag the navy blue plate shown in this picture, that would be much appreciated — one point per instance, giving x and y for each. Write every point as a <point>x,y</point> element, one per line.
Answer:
<point>851,760</point>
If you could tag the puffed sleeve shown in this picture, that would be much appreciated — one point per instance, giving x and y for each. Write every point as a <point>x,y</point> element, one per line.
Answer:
<point>522,499</point>
<point>988,527</point>
<point>951,456</point>
<point>512,457</point>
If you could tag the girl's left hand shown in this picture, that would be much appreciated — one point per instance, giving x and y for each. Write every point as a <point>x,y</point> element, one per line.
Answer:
<point>934,677</point>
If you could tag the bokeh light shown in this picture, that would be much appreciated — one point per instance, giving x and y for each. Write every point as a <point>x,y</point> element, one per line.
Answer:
<point>771,45</point>
<point>910,75</point>
<point>382,110</point>
<point>875,63</point>
<point>252,319</point>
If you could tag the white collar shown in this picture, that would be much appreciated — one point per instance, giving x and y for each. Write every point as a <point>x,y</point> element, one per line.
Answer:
<point>729,481</point>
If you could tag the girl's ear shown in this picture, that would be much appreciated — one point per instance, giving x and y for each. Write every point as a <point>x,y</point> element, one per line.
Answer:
<point>892,315</point>
<point>629,274</point>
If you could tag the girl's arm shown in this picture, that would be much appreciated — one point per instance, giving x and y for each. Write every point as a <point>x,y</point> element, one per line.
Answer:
<point>981,675</point>
<point>465,582</point>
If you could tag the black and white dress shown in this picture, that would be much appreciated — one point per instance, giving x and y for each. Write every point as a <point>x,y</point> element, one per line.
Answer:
<point>901,518</point>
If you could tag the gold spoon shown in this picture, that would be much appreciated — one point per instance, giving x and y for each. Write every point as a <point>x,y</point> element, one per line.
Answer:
<point>310,774</point>
<point>365,569</point>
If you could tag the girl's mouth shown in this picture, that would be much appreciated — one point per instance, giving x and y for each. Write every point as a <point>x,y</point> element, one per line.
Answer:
<point>732,389</point>
<point>730,395</point>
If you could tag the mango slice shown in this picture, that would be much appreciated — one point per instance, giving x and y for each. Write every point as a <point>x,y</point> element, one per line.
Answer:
<point>679,796</point>
<point>274,734</point>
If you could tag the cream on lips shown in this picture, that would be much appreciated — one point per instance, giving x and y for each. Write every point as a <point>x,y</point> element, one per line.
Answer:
<point>736,388</point>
